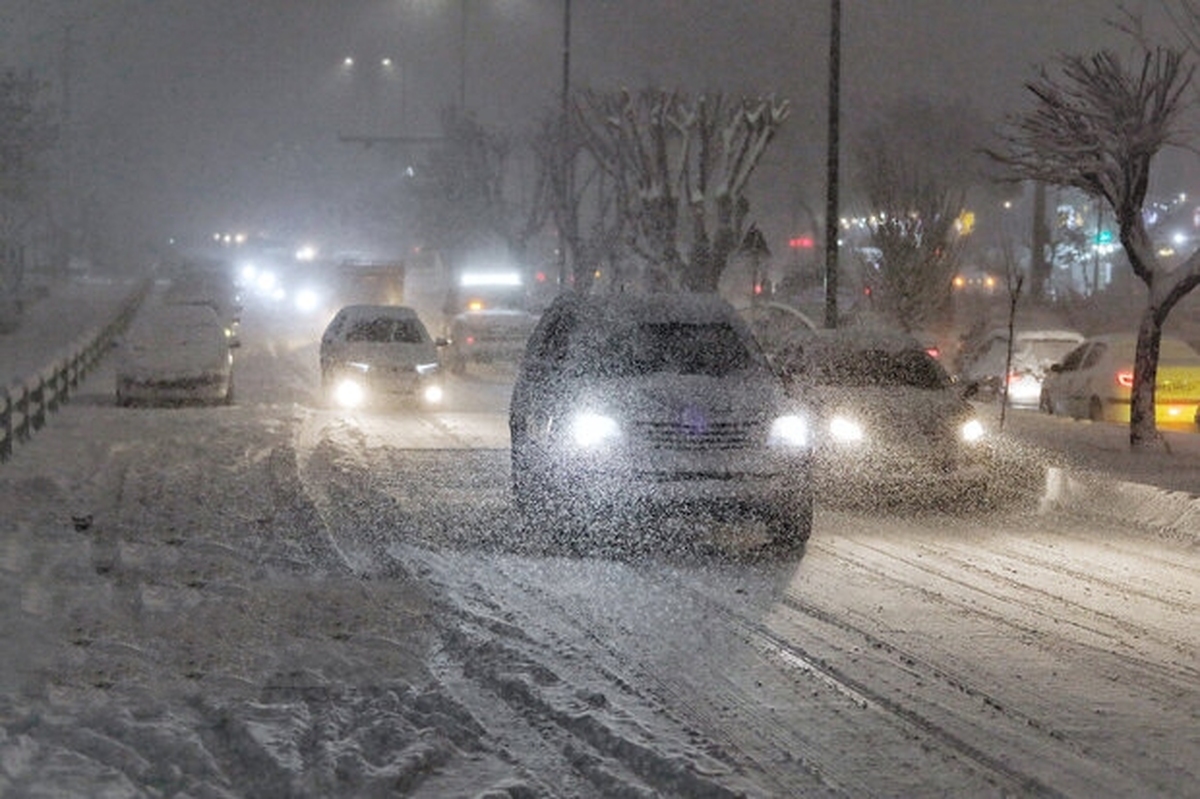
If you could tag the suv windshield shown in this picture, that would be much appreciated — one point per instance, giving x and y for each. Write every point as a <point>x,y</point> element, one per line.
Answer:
<point>711,348</point>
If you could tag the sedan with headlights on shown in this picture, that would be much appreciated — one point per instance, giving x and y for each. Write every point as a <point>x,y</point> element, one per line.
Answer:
<point>659,405</point>
<point>379,354</point>
<point>891,422</point>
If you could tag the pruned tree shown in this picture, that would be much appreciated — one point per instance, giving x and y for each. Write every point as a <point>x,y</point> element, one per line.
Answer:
<point>1097,124</point>
<point>460,192</point>
<point>679,168</point>
<point>581,198</point>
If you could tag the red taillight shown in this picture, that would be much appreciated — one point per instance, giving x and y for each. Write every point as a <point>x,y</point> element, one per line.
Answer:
<point>470,340</point>
<point>1125,379</point>
<point>933,352</point>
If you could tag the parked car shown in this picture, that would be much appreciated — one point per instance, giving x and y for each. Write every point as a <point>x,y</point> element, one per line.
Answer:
<point>656,402</point>
<point>891,422</point>
<point>1033,352</point>
<point>375,354</point>
<point>1095,380</point>
<point>175,355</point>
<point>213,289</point>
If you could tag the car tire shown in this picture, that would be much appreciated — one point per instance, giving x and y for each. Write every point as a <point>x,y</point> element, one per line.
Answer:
<point>1044,404</point>
<point>1095,410</point>
<point>790,526</point>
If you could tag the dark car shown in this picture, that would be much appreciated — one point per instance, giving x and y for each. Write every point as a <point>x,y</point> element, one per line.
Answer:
<point>656,403</point>
<point>892,423</point>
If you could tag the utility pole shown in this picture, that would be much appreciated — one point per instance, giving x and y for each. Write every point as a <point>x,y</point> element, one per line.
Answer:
<point>564,159</point>
<point>831,167</point>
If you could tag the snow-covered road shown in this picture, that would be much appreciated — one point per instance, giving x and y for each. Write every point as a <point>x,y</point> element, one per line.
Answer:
<point>272,599</point>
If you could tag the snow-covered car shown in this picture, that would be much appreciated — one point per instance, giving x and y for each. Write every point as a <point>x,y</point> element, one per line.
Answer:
<point>1033,353</point>
<point>175,354</point>
<point>891,423</point>
<point>1095,380</point>
<point>214,289</point>
<point>376,354</point>
<point>658,401</point>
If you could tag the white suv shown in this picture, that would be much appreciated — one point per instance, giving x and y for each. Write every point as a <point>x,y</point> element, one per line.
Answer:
<point>659,401</point>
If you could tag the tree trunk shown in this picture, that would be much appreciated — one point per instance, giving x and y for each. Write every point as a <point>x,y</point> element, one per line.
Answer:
<point>1143,429</point>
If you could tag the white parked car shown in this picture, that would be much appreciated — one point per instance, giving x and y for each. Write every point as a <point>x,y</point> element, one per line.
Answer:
<point>175,354</point>
<point>1033,353</point>
<point>1095,380</point>
<point>659,402</point>
<point>891,422</point>
<point>375,354</point>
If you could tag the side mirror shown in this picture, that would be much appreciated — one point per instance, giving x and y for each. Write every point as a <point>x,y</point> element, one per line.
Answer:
<point>441,341</point>
<point>1056,367</point>
<point>970,389</point>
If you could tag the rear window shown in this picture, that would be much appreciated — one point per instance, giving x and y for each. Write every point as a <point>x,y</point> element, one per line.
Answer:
<point>859,368</point>
<point>713,349</point>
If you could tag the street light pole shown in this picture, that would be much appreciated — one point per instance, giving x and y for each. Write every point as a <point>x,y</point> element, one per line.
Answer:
<point>831,167</point>
<point>462,57</point>
<point>564,160</point>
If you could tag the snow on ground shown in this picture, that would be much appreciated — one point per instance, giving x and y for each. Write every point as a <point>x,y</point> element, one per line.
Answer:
<point>190,607</point>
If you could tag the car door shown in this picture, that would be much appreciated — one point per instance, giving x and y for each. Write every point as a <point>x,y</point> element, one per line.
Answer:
<point>1062,385</point>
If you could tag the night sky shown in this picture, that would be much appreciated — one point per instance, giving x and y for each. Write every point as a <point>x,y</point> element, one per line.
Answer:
<point>191,115</point>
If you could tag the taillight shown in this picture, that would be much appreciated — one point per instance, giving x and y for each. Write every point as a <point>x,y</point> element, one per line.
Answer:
<point>1125,379</point>
<point>470,339</point>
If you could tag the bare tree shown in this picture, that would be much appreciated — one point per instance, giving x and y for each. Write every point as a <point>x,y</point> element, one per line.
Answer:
<point>679,167</point>
<point>1097,125</point>
<point>915,164</point>
<point>461,196</point>
<point>25,135</point>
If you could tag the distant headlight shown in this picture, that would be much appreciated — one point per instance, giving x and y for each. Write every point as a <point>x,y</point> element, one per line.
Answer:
<point>426,368</point>
<point>349,394</point>
<point>433,394</point>
<point>789,431</point>
<point>971,431</point>
<point>307,300</point>
<point>591,430</point>
<point>846,431</point>
<point>359,365</point>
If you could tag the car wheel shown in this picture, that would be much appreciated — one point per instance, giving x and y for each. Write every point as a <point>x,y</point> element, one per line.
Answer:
<point>790,525</point>
<point>1095,410</point>
<point>1044,404</point>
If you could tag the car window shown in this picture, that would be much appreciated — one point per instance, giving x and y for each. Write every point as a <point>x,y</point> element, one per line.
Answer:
<point>384,330</point>
<point>1093,356</point>
<point>871,367</point>
<point>715,349</point>
<point>1071,362</point>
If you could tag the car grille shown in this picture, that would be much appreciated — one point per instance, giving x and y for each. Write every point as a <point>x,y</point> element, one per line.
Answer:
<point>708,435</point>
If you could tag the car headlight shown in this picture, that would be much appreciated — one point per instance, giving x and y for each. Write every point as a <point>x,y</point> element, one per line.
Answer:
<point>433,394</point>
<point>349,393</point>
<point>789,431</point>
<point>971,431</point>
<point>845,431</point>
<point>359,366</point>
<point>590,430</point>
<point>427,368</point>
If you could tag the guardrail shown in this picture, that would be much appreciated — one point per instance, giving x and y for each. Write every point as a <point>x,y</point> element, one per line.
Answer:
<point>25,404</point>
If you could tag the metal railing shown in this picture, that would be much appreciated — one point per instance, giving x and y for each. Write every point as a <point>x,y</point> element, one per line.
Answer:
<point>25,405</point>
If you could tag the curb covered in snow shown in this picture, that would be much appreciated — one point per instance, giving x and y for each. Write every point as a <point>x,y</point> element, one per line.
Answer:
<point>1172,513</point>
